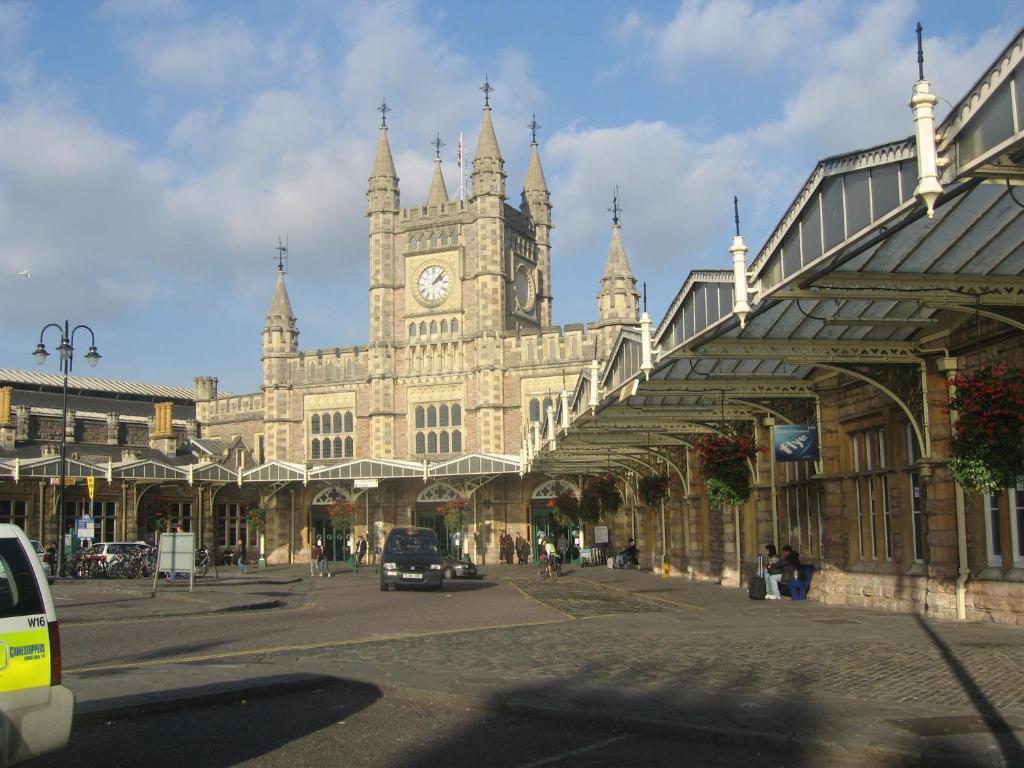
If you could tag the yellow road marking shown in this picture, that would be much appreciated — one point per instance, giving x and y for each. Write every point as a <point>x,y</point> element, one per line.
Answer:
<point>307,646</point>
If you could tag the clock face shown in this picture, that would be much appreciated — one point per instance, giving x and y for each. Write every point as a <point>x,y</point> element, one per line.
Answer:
<point>432,284</point>
<point>524,288</point>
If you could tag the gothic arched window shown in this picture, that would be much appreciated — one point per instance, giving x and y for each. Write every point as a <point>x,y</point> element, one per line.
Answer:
<point>327,448</point>
<point>314,424</point>
<point>444,327</point>
<point>349,447</point>
<point>535,410</point>
<point>348,421</point>
<point>412,330</point>
<point>337,422</point>
<point>420,443</point>
<point>433,327</point>
<point>423,328</point>
<point>339,448</point>
<point>432,442</point>
<point>455,326</point>
<point>314,450</point>
<point>444,442</point>
<point>456,415</point>
<point>443,416</point>
<point>456,441</point>
<point>431,416</point>
<point>420,421</point>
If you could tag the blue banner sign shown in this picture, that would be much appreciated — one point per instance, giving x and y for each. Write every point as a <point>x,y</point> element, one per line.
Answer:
<point>796,442</point>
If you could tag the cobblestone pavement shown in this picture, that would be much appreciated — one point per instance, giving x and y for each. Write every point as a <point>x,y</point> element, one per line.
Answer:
<point>630,639</point>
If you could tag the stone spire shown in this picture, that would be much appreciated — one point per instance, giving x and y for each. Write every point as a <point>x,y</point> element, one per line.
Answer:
<point>382,192</point>
<point>438,191</point>
<point>280,333</point>
<point>488,164</point>
<point>536,203</point>
<point>618,300</point>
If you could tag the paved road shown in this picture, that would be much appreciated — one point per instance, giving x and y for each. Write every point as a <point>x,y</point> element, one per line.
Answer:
<point>622,648</point>
<point>354,725</point>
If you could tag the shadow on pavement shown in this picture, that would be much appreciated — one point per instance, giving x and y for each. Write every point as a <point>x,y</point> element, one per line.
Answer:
<point>1009,745</point>
<point>209,728</point>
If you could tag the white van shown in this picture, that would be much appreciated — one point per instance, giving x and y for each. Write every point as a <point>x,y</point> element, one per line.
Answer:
<point>35,709</point>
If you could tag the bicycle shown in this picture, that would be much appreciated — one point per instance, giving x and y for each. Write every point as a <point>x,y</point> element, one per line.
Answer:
<point>205,563</point>
<point>550,568</point>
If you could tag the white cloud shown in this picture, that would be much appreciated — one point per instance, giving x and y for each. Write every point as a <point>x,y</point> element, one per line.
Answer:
<point>209,55</point>
<point>739,32</point>
<point>140,8</point>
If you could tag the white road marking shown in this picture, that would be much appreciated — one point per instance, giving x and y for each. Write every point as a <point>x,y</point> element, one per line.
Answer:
<point>574,752</point>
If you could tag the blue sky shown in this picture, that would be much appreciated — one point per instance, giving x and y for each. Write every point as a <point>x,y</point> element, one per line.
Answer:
<point>152,151</point>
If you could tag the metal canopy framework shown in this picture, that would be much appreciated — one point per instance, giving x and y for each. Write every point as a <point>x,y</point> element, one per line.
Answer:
<point>476,464</point>
<point>855,279</point>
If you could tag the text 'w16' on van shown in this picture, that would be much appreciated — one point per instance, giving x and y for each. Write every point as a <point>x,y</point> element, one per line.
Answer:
<point>35,709</point>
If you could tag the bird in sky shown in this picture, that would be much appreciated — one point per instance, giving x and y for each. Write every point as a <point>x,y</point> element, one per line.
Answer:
<point>25,273</point>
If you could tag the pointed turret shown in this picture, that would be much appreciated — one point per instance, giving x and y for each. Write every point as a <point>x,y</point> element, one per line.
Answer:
<point>382,191</point>
<point>536,203</point>
<point>438,191</point>
<point>382,209</point>
<point>280,333</point>
<point>618,300</point>
<point>488,165</point>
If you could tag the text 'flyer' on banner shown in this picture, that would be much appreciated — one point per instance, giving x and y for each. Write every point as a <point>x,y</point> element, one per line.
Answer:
<point>796,442</point>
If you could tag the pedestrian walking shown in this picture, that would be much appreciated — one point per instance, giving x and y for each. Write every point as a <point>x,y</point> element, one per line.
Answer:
<point>360,551</point>
<point>522,550</point>
<point>241,557</point>
<point>324,563</point>
<point>314,557</point>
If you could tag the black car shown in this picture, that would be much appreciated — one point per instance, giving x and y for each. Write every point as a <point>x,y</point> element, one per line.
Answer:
<point>455,568</point>
<point>411,557</point>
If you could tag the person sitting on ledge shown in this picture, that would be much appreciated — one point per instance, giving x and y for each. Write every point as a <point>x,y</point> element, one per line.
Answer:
<point>627,557</point>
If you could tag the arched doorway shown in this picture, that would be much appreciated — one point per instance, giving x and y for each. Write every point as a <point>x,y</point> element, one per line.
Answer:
<point>427,515</point>
<point>542,521</point>
<point>336,540</point>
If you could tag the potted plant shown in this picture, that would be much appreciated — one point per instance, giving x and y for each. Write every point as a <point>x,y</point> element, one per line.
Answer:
<point>988,440</point>
<point>724,464</point>
<point>653,489</point>
<point>256,520</point>
<point>342,514</point>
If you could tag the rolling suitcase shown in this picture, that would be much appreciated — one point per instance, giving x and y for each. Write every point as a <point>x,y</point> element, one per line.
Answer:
<point>757,588</point>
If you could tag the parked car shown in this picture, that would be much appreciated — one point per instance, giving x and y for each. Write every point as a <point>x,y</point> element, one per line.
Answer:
<point>411,557</point>
<point>35,708</point>
<point>458,568</point>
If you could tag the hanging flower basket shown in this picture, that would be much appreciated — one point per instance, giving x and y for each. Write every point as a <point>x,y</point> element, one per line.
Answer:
<point>608,497</point>
<point>566,509</point>
<point>341,513</point>
<point>988,440</point>
<point>724,464</point>
<point>162,519</point>
<point>256,518</point>
<point>653,488</point>
<point>454,512</point>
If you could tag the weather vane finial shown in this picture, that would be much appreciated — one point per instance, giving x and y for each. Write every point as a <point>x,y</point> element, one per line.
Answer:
<point>437,144</point>
<point>487,88</point>
<point>383,109</point>
<point>615,209</point>
<point>533,126</point>
<point>920,53</point>
<point>282,253</point>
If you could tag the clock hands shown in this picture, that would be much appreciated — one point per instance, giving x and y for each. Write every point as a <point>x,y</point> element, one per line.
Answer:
<point>437,279</point>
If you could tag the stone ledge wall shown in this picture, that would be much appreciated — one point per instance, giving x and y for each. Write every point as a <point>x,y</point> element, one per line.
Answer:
<point>986,601</point>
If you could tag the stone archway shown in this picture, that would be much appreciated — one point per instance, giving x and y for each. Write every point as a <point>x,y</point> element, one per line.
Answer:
<point>336,541</point>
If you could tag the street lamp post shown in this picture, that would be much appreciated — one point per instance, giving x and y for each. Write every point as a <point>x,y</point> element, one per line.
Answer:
<point>66,350</point>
